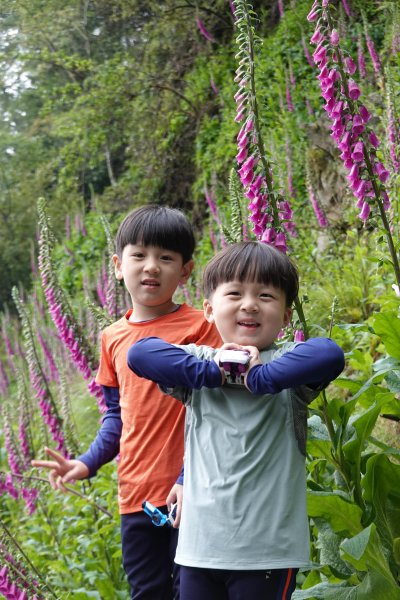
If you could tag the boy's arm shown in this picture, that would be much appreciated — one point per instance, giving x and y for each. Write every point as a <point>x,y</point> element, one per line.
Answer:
<point>314,363</point>
<point>170,366</point>
<point>105,447</point>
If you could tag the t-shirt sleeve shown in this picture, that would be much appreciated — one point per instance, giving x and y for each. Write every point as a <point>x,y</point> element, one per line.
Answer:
<point>106,374</point>
<point>314,363</point>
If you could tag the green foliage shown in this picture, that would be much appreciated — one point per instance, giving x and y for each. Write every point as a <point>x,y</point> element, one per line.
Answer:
<point>119,109</point>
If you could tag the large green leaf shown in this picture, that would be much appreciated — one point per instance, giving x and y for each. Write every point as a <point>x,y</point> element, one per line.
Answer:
<point>364,551</point>
<point>327,591</point>
<point>387,326</point>
<point>344,516</point>
<point>382,489</point>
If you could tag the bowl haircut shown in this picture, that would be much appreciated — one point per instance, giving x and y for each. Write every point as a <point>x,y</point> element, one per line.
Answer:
<point>160,226</point>
<point>248,262</point>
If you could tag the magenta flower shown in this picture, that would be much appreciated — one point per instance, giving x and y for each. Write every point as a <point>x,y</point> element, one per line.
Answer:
<point>376,63</point>
<point>299,335</point>
<point>350,118</point>
<point>203,30</point>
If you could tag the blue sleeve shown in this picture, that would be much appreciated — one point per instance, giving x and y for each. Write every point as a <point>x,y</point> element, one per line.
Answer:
<point>170,366</point>
<point>314,363</point>
<point>106,444</point>
<point>181,476</point>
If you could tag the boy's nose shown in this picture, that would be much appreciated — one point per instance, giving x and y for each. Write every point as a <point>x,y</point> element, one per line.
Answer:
<point>249,305</point>
<point>152,266</point>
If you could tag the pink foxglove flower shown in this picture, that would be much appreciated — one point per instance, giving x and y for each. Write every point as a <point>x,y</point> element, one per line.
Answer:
<point>350,118</point>
<point>203,30</point>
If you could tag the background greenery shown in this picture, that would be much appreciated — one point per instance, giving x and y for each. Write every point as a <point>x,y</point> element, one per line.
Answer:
<point>110,105</point>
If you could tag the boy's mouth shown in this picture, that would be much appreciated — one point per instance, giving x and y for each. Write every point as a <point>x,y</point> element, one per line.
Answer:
<point>150,282</point>
<point>249,324</point>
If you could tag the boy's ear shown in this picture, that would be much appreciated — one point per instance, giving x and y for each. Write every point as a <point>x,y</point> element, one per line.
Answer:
<point>186,270</point>
<point>208,311</point>
<point>117,267</point>
<point>287,317</point>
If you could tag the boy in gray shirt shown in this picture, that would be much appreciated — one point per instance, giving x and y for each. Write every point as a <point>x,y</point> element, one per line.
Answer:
<point>244,529</point>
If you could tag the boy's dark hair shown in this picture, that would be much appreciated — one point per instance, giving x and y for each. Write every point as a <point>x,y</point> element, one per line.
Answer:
<point>252,261</point>
<point>153,225</point>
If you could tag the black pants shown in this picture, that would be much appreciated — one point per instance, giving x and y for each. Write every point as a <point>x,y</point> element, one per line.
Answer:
<point>148,557</point>
<point>218,584</point>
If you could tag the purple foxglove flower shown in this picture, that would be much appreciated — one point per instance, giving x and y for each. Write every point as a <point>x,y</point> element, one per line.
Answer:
<point>373,139</point>
<point>299,335</point>
<point>239,115</point>
<point>364,214</point>
<point>214,86</point>
<point>337,111</point>
<point>364,113</point>
<point>268,235</point>
<point>249,164</point>
<point>344,144</point>
<point>239,96</point>
<point>361,59</point>
<point>362,189</point>
<point>312,15</point>
<point>350,65</point>
<point>247,178</point>
<point>243,141</point>
<point>346,8</point>
<point>319,55</point>
<point>358,152</point>
<point>203,30</point>
<point>249,125</point>
<point>241,155</point>
<point>386,201</point>
<point>358,126</point>
<point>280,242</point>
<point>374,57</point>
<point>354,90</point>
<point>317,36</point>
<point>382,173</point>
<point>334,37</point>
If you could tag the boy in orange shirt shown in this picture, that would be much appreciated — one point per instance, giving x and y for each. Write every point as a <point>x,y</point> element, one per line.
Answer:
<point>154,247</point>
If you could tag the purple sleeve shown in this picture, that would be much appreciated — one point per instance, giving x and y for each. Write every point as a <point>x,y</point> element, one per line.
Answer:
<point>181,476</point>
<point>314,363</point>
<point>106,444</point>
<point>170,366</point>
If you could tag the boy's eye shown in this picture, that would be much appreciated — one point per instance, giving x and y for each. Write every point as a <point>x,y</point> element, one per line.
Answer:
<point>166,257</point>
<point>233,293</point>
<point>137,255</point>
<point>266,295</point>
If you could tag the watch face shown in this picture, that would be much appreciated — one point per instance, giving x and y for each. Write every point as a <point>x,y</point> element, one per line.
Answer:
<point>234,363</point>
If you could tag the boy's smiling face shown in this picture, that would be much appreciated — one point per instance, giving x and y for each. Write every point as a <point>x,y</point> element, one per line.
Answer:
<point>248,313</point>
<point>151,276</point>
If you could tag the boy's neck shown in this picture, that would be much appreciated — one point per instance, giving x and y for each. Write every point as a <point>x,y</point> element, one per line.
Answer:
<point>142,313</point>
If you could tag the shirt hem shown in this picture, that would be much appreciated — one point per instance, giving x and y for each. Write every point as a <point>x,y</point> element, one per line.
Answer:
<point>244,566</point>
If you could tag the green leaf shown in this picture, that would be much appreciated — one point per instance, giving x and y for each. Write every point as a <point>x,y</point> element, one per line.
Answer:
<point>327,591</point>
<point>387,326</point>
<point>382,489</point>
<point>343,516</point>
<point>364,551</point>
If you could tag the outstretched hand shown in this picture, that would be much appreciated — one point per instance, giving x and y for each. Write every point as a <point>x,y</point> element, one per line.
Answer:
<point>62,470</point>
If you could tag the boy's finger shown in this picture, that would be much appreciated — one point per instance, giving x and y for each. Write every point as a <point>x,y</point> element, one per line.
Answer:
<point>44,464</point>
<point>56,455</point>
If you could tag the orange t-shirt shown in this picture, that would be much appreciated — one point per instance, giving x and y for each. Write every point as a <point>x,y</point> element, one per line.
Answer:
<point>151,446</point>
